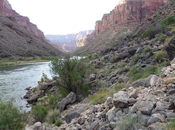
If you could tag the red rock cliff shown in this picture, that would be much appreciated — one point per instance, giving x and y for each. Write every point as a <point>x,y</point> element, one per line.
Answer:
<point>7,10</point>
<point>128,13</point>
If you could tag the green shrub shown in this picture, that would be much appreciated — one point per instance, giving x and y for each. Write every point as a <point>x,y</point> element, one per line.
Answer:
<point>115,45</point>
<point>58,123</point>
<point>128,122</point>
<point>72,74</point>
<point>170,125</point>
<point>53,116</point>
<point>147,49</point>
<point>136,57</point>
<point>160,54</point>
<point>39,112</point>
<point>149,70</point>
<point>44,77</point>
<point>10,117</point>
<point>120,86</point>
<point>168,21</point>
<point>52,100</point>
<point>122,64</point>
<point>99,97</point>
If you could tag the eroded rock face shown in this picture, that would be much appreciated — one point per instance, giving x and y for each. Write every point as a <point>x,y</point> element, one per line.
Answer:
<point>85,40</point>
<point>128,13</point>
<point>6,9</point>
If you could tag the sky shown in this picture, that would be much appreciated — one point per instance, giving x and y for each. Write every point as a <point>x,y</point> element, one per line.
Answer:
<point>63,16</point>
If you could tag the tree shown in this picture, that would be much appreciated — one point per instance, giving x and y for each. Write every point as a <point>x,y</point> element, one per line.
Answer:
<point>72,74</point>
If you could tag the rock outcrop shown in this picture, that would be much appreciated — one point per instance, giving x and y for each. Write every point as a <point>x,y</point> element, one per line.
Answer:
<point>85,40</point>
<point>128,13</point>
<point>68,42</point>
<point>6,9</point>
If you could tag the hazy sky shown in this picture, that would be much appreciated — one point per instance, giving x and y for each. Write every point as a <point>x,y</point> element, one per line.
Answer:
<point>63,16</point>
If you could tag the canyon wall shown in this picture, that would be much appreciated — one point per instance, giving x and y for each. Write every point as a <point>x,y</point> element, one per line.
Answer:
<point>6,9</point>
<point>128,13</point>
<point>85,40</point>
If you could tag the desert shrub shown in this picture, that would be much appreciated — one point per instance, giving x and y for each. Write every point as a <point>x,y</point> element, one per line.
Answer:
<point>136,57</point>
<point>147,49</point>
<point>72,74</point>
<point>58,123</point>
<point>128,122</point>
<point>170,125</point>
<point>168,21</point>
<point>52,100</point>
<point>160,36</point>
<point>99,97</point>
<point>53,116</point>
<point>39,112</point>
<point>10,117</point>
<point>44,77</point>
<point>149,70</point>
<point>120,86</point>
<point>115,45</point>
<point>160,54</point>
<point>106,72</point>
<point>152,31</point>
<point>122,64</point>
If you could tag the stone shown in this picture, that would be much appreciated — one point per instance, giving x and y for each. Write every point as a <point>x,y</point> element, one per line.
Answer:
<point>131,101</point>
<point>153,80</point>
<point>134,93</point>
<point>69,99</point>
<point>44,86</point>
<point>143,119</point>
<point>142,82</point>
<point>92,77</point>
<point>171,91</point>
<point>170,48</point>
<point>145,107</point>
<point>169,80</point>
<point>155,118</point>
<point>120,99</point>
<point>108,101</point>
<point>156,126</point>
<point>71,114</point>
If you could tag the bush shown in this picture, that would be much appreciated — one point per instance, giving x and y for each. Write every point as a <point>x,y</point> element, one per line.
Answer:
<point>58,123</point>
<point>136,57</point>
<point>168,21</point>
<point>129,122</point>
<point>122,64</point>
<point>10,117</point>
<point>39,112</point>
<point>160,54</point>
<point>53,116</point>
<point>72,74</point>
<point>147,49</point>
<point>52,100</point>
<point>170,125</point>
<point>115,45</point>
<point>152,31</point>
<point>99,97</point>
<point>44,77</point>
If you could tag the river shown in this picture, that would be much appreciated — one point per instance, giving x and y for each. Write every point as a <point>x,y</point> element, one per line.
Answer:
<point>15,79</point>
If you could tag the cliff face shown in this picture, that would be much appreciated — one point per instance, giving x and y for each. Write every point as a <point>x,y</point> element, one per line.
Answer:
<point>85,40</point>
<point>67,42</point>
<point>6,9</point>
<point>128,13</point>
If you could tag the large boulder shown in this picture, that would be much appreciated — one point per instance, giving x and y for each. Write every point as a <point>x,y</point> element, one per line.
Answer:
<point>69,99</point>
<point>44,86</point>
<point>71,114</point>
<point>142,82</point>
<point>120,99</point>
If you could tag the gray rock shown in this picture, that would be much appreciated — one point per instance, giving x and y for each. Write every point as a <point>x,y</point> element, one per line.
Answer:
<point>143,119</point>
<point>153,80</point>
<point>145,107</point>
<point>92,77</point>
<point>156,126</point>
<point>120,99</point>
<point>71,114</point>
<point>108,101</point>
<point>69,99</point>
<point>134,93</point>
<point>44,86</point>
<point>171,91</point>
<point>131,101</point>
<point>155,118</point>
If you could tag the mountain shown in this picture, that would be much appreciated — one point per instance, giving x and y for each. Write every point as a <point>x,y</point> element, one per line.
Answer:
<point>121,21</point>
<point>6,9</point>
<point>68,42</point>
<point>86,39</point>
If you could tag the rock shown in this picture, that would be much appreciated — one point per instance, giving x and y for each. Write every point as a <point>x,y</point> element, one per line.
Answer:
<point>143,119</point>
<point>86,39</point>
<point>153,80</point>
<point>131,101</point>
<point>92,77</point>
<point>156,126</point>
<point>134,93</point>
<point>71,114</point>
<point>120,99</point>
<point>33,98</point>
<point>169,80</point>
<point>145,107</point>
<point>108,101</point>
<point>119,16</point>
<point>44,86</point>
<point>155,118</point>
<point>111,113</point>
<point>171,91</point>
<point>142,82</point>
<point>69,99</point>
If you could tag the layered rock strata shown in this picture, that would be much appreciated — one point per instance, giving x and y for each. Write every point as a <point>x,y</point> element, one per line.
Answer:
<point>128,13</point>
<point>6,9</point>
<point>85,40</point>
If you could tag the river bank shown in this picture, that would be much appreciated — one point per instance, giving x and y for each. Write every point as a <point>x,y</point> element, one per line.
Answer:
<point>15,61</point>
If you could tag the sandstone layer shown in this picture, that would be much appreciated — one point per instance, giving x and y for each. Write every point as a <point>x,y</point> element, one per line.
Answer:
<point>128,13</point>
<point>6,9</point>
<point>85,40</point>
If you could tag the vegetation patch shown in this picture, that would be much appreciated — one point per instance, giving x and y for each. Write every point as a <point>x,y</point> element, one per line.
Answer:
<point>136,57</point>
<point>170,125</point>
<point>10,117</point>
<point>119,86</point>
<point>160,54</point>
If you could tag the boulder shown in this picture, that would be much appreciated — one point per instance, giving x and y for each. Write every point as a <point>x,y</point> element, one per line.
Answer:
<point>92,77</point>
<point>120,99</point>
<point>153,80</point>
<point>69,99</point>
<point>169,80</point>
<point>155,118</point>
<point>142,82</point>
<point>170,48</point>
<point>44,86</point>
<point>134,93</point>
<point>71,114</point>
